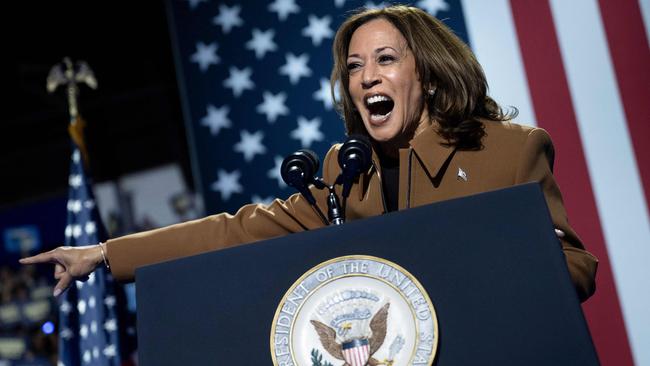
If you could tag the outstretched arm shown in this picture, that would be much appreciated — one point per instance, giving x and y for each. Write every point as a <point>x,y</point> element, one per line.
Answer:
<point>251,223</point>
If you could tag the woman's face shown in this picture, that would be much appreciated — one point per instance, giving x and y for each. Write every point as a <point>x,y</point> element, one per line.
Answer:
<point>383,82</point>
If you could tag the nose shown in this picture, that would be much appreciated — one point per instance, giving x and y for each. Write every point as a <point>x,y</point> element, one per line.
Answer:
<point>370,77</point>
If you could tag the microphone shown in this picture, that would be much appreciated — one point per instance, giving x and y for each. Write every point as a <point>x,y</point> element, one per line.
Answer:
<point>355,157</point>
<point>298,170</point>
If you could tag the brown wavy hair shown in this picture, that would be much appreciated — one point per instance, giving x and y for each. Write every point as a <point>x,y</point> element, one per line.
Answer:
<point>442,61</point>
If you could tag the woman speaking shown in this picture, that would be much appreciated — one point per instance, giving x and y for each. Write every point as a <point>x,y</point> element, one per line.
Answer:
<point>419,94</point>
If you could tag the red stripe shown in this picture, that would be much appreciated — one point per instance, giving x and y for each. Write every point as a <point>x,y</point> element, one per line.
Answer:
<point>628,47</point>
<point>554,112</point>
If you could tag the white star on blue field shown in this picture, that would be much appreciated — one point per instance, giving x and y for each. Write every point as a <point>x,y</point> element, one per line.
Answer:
<point>227,183</point>
<point>262,42</point>
<point>284,8</point>
<point>216,119</point>
<point>239,80</point>
<point>296,67</point>
<point>205,55</point>
<point>228,18</point>
<point>273,106</point>
<point>250,144</point>
<point>308,131</point>
<point>318,29</point>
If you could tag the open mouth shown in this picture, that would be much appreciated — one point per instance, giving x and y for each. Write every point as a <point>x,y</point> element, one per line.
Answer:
<point>380,106</point>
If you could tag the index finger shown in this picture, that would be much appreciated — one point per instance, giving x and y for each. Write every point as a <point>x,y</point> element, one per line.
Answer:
<point>47,257</point>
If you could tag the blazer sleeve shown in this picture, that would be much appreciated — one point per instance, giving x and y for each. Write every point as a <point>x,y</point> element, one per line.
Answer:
<point>536,164</point>
<point>251,223</point>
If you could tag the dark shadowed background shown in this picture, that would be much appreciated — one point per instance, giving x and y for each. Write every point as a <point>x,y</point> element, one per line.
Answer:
<point>134,118</point>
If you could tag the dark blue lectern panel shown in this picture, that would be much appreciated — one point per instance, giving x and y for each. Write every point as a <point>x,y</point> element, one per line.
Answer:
<point>491,264</point>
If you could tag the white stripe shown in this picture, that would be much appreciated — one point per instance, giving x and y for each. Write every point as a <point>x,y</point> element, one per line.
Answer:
<point>493,38</point>
<point>610,158</point>
<point>644,6</point>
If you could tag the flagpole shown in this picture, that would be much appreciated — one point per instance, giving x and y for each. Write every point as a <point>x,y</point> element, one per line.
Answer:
<point>88,319</point>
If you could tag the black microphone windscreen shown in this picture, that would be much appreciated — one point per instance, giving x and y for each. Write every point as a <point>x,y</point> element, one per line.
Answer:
<point>299,168</point>
<point>356,147</point>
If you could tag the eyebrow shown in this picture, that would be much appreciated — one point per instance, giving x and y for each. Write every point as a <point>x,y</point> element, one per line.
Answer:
<point>376,51</point>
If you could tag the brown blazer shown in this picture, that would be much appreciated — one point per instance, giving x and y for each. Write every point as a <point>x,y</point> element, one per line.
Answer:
<point>511,154</point>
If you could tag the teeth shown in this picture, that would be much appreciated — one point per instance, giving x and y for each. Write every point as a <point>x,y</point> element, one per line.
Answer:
<point>379,117</point>
<point>377,98</point>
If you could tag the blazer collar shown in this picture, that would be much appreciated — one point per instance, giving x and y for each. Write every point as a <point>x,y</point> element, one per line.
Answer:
<point>430,149</point>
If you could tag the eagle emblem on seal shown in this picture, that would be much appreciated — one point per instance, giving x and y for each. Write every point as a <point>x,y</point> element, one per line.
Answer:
<point>350,330</point>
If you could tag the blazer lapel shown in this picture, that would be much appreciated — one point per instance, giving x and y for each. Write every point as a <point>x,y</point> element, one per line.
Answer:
<point>364,178</point>
<point>431,150</point>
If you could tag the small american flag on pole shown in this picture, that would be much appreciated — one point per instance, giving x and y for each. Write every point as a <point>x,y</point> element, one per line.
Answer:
<point>88,326</point>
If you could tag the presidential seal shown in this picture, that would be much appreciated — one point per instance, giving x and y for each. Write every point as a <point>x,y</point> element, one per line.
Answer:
<point>355,311</point>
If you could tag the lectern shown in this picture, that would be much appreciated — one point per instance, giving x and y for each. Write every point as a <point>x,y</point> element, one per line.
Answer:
<point>491,265</point>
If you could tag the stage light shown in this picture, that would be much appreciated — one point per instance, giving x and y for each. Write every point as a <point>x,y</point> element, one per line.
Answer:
<point>47,327</point>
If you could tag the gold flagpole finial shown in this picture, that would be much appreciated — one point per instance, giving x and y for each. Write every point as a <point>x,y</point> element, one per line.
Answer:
<point>71,74</point>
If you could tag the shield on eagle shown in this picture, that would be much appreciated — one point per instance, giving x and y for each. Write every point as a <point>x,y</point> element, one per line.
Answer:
<point>356,352</point>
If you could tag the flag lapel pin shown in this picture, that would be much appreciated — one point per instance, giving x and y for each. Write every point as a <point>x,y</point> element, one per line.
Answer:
<point>462,175</point>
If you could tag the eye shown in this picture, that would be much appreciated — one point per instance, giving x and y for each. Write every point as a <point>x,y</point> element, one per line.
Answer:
<point>385,59</point>
<point>353,66</point>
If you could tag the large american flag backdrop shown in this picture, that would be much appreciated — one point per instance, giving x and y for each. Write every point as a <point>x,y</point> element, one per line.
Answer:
<point>253,77</point>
